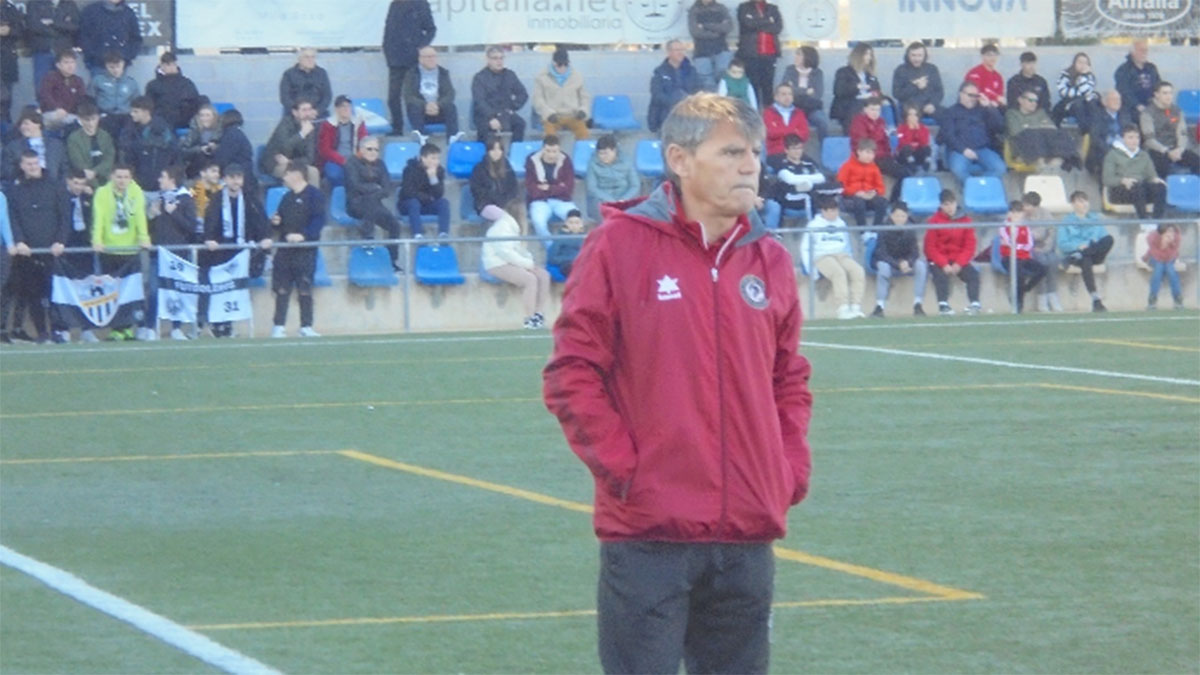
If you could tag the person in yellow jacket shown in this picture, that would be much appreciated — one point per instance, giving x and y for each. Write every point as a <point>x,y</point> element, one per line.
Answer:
<point>118,222</point>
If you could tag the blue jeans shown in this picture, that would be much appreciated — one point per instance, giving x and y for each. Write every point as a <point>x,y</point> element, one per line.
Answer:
<point>883,280</point>
<point>540,212</point>
<point>1159,269</point>
<point>336,173</point>
<point>710,69</point>
<point>818,121</point>
<point>989,164</point>
<point>415,209</point>
<point>771,214</point>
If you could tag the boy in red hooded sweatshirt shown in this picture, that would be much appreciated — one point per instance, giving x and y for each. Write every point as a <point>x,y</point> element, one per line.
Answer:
<point>950,251</point>
<point>1029,271</point>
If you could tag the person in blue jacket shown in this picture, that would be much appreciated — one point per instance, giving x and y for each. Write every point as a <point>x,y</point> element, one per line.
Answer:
<point>967,133</point>
<point>673,80</point>
<point>1084,243</point>
<point>108,25</point>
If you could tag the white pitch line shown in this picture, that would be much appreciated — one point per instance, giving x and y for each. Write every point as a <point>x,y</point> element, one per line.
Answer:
<point>189,641</point>
<point>1004,364</point>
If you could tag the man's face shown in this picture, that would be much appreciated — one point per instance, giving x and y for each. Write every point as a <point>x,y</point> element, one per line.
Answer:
<point>1028,102</point>
<point>76,185</point>
<point>872,111</point>
<point>899,217</point>
<point>990,59</point>
<point>551,153</point>
<point>211,175</point>
<point>428,58</point>
<point>304,111</point>
<point>165,182</point>
<point>234,183</point>
<point>495,61</point>
<point>31,129</point>
<point>66,66</point>
<point>1112,100</point>
<point>1132,140</point>
<point>431,161</point>
<point>139,115</point>
<point>121,178</point>
<point>31,167</point>
<point>207,117</point>
<point>607,155</point>
<point>115,68</point>
<point>916,57</point>
<point>795,152</point>
<point>573,224</point>
<point>369,151</point>
<point>343,112</point>
<point>294,180</point>
<point>949,208</point>
<point>675,53</point>
<point>561,68</point>
<point>1164,97</point>
<point>169,67</point>
<point>1140,52</point>
<point>90,124</point>
<point>969,97</point>
<point>783,96</point>
<point>307,59</point>
<point>1028,68</point>
<point>721,174</point>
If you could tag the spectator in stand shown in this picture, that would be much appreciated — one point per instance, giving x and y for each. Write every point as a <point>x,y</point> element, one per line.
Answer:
<point>306,81</point>
<point>39,219</point>
<point>409,27</point>
<point>12,28</point>
<point>759,26</point>
<point>175,97</point>
<point>987,79</point>
<point>853,84</point>
<point>367,186</point>
<point>808,88</point>
<point>496,96</point>
<point>146,143</point>
<point>782,118</point>
<point>870,124</point>
<point>800,180</point>
<point>949,252</point>
<point>897,252</point>
<point>118,221</point>
<point>766,209</point>
<point>1077,92</point>
<point>610,177</point>
<point>203,138</point>
<point>1015,234</point>
<point>173,222</point>
<point>1084,243</point>
<point>735,84</point>
<point>825,250</point>
<point>79,205</point>
<point>967,132</point>
<point>1105,129</point>
<point>709,24</point>
<point>1161,253</point>
<point>1044,250</point>
<point>673,80</point>
<point>549,183</point>
<point>918,83</point>
<point>560,99</point>
<point>52,155</point>
<point>339,138</point>
<point>1136,78</point>
<point>862,184</point>
<point>422,192</point>
<point>300,217</point>
<point>1165,132</point>
<point>206,187</point>
<point>6,245</point>
<point>294,141</point>
<point>493,181</point>
<point>232,216</point>
<point>89,148</point>
<point>61,91</point>
<point>50,27</point>
<point>108,25</point>
<point>564,253</point>
<point>913,150</point>
<point>1035,139</point>
<point>1130,177</point>
<point>429,95</point>
<point>1027,79</point>
<point>511,262</point>
<point>235,149</point>
<point>114,91</point>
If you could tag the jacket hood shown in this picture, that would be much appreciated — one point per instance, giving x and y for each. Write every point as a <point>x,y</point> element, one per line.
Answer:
<point>661,211</point>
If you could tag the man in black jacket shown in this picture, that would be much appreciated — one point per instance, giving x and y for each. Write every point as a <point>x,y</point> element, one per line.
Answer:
<point>51,26</point>
<point>108,25</point>
<point>367,185</point>
<point>232,217</point>
<point>497,94</point>
<point>710,24</point>
<point>409,27</point>
<point>422,187</point>
<point>175,97</point>
<point>306,81</point>
<point>38,213</point>
<point>52,155</point>
<point>173,222</point>
<point>294,140</point>
<point>12,30</point>
<point>146,142</point>
<point>300,217</point>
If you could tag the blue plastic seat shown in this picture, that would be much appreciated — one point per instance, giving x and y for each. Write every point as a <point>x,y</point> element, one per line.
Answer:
<point>835,150</point>
<point>888,113</point>
<point>518,152</point>
<point>581,155</point>
<point>337,208</point>
<point>555,273</point>
<point>921,193</point>
<point>274,196</point>
<point>181,132</point>
<point>263,179</point>
<point>490,278</point>
<point>613,112</point>
<point>462,156</point>
<point>222,106</point>
<point>648,159</point>
<point>431,128</point>
<point>437,266</point>
<point>396,155</point>
<point>376,113</point>
<point>466,206</point>
<point>371,266</point>
<point>985,194</point>
<point>1189,102</point>
<point>321,274</point>
<point>1183,192</point>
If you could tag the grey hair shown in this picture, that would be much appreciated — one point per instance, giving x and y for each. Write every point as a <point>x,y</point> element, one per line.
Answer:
<point>693,119</point>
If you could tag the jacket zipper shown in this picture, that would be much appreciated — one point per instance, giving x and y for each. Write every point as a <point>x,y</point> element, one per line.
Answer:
<point>721,381</point>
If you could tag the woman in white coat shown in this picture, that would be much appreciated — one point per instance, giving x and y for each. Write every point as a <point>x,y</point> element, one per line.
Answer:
<point>511,261</point>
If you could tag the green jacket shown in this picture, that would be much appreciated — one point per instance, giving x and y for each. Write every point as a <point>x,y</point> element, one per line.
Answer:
<point>1017,121</point>
<point>107,231</point>
<point>79,153</point>
<point>1118,164</point>
<point>287,141</point>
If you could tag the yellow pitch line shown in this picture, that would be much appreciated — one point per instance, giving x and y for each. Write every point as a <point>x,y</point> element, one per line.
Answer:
<point>154,458</point>
<point>1121,392</point>
<point>252,366</point>
<point>264,406</point>
<point>1142,345</point>
<point>910,583</point>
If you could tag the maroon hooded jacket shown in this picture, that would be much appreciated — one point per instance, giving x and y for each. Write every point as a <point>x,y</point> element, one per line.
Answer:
<point>676,377</point>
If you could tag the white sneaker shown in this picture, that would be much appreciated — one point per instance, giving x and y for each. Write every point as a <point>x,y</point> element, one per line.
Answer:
<point>307,331</point>
<point>973,309</point>
<point>178,334</point>
<point>278,332</point>
<point>844,312</point>
<point>88,336</point>
<point>857,310</point>
<point>147,334</point>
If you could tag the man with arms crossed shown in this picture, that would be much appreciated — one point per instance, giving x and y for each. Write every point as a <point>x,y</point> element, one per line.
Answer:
<point>676,379</point>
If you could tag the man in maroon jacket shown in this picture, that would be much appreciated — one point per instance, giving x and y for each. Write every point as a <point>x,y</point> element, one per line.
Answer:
<point>676,379</point>
<point>950,251</point>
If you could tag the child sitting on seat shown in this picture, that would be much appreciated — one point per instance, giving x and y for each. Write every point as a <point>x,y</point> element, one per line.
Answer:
<point>825,248</point>
<point>913,150</point>
<point>562,255</point>
<point>735,84</point>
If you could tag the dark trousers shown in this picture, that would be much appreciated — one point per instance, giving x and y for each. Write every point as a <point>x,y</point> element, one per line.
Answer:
<point>859,207</point>
<point>913,158</point>
<point>1094,254</point>
<point>414,209</point>
<point>447,115</point>
<point>374,214</point>
<point>941,282</point>
<point>5,290</point>
<point>1029,274</point>
<point>1163,164</point>
<point>294,267</point>
<point>761,73</point>
<point>891,167</point>
<point>31,284</point>
<point>708,605</point>
<point>1142,193</point>
<point>508,122</point>
<point>396,98</point>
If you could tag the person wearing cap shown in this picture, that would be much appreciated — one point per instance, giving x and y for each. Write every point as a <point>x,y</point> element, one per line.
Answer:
<point>338,139</point>
<point>560,99</point>
<point>429,94</point>
<point>1027,79</point>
